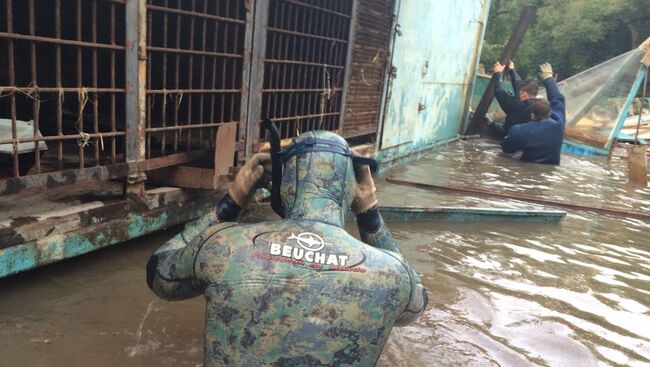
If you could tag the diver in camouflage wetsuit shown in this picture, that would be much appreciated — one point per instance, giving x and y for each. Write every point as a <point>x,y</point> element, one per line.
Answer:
<point>301,291</point>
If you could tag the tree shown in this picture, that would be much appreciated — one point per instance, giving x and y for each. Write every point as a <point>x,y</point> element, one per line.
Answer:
<point>572,35</point>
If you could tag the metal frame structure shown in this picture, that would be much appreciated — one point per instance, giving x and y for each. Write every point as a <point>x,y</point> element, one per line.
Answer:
<point>120,88</point>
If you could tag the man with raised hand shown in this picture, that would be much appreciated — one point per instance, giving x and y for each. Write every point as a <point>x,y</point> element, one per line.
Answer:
<point>517,106</point>
<point>541,138</point>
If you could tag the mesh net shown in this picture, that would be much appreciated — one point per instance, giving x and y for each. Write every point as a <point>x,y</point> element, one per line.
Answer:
<point>596,97</point>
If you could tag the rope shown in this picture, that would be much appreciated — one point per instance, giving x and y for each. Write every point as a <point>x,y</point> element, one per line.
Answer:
<point>13,90</point>
<point>85,137</point>
<point>82,94</point>
<point>327,92</point>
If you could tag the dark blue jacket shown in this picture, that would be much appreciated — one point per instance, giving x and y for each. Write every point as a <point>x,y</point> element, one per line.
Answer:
<point>541,141</point>
<point>517,111</point>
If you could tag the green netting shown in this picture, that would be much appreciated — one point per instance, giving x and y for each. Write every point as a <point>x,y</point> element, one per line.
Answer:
<point>596,98</point>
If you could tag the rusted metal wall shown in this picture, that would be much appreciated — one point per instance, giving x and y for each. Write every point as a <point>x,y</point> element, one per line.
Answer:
<point>434,60</point>
<point>370,58</point>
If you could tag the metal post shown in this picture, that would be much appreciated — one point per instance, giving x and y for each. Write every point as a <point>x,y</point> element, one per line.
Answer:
<point>244,122</point>
<point>261,11</point>
<point>527,16</point>
<point>348,62</point>
<point>136,69</point>
<point>478,45</point>
<point>388,76</point>
<point>626,107</point>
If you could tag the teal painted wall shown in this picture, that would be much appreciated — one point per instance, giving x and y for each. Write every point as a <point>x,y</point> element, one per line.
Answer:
<point>435,57</point>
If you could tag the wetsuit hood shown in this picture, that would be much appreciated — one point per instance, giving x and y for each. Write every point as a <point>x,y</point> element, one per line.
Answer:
<point>318,181</point>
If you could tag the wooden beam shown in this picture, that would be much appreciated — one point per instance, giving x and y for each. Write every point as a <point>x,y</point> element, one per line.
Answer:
<point>526,17</point>
<point>522,197</point>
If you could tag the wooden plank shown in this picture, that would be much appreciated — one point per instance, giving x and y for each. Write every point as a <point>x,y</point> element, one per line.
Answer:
<point>224,153</point>
<point>174,159</point>
<point>526,17</point>
<point>469,215</point>
<point>522,197</point>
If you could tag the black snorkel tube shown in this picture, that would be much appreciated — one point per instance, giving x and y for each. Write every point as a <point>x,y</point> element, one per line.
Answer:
<point>278,157</point>
<point>276,164</point>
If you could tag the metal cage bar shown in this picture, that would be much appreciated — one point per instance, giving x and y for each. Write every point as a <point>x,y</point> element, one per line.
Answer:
<point>195,72</point>
<point>305,60</point>
<point>62,101</point>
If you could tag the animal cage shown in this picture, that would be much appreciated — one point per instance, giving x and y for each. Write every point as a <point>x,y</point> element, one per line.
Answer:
<point>111,95</point>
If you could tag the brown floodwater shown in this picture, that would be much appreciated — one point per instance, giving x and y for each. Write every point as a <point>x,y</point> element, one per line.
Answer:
<point>574,293</point>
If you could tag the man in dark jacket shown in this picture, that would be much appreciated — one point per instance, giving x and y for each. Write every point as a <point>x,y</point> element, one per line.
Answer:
<point>541,139</point>
<point>517,106</point>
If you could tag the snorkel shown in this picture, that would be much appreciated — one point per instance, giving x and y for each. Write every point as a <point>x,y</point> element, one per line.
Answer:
<point>308,145</point>
<point>276,166</point>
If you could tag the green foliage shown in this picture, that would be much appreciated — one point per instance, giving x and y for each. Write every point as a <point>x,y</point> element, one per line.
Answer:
<point>572,35</point>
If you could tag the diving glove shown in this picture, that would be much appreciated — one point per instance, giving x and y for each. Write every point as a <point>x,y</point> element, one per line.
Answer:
<point>249,178</point>
<point>545,71</point>
<point>364,197</point>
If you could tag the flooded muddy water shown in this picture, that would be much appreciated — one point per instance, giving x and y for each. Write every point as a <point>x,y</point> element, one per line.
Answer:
<point>574,293</point>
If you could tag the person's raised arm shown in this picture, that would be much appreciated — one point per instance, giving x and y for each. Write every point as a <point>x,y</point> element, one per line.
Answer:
<point>515,79</point>
<point>170,270</point>
<point>374,232</point>
<point>505,99</point>
<point>555,97</point>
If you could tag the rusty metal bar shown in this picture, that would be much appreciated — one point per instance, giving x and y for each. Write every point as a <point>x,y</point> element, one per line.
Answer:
<point>35,100</point>
<point>192,91</point>
<point>193,52</point>
<point>246,79</point>
<point>299,117</point>
<point>59,100</point>
<point>81,98</point>
<point>202,78</point>
<point>59,41</point>
<point>187,127</point>
<point>136,68</point>
<point>12,81</point>
<point>329,11</point>
<point>164,81</point>
<point>177,100</point>
<point>98,143</point>
<point>190,79</point>
<point>36,89</point>
<point>348,62</point>
<point>112,76</point>
<point>526,18</point>
<point>62,137</point>
<point>301,34</point>
<point>294,90</point>
<point>166,9</point>
<point>258,53</point>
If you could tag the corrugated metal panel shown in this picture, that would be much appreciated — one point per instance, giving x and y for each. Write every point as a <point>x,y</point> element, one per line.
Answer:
<point>369,62</point>
<point>435,56</point>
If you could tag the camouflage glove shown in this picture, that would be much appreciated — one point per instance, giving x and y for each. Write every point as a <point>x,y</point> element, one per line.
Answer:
<point>545,71</point>
<point>365,197</point>
<point>250,177</point>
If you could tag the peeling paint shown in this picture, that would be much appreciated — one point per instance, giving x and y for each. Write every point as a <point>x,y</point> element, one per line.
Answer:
<point>439,37</point>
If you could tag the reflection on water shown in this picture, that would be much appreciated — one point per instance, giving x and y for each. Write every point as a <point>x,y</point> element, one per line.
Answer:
<point>575,293</point>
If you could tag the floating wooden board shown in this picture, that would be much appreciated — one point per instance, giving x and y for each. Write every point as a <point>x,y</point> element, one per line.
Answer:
<point>469,215</point>
<point>522,197</point>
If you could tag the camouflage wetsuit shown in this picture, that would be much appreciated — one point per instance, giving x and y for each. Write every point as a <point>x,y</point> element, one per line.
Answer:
<point>296,292</point>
